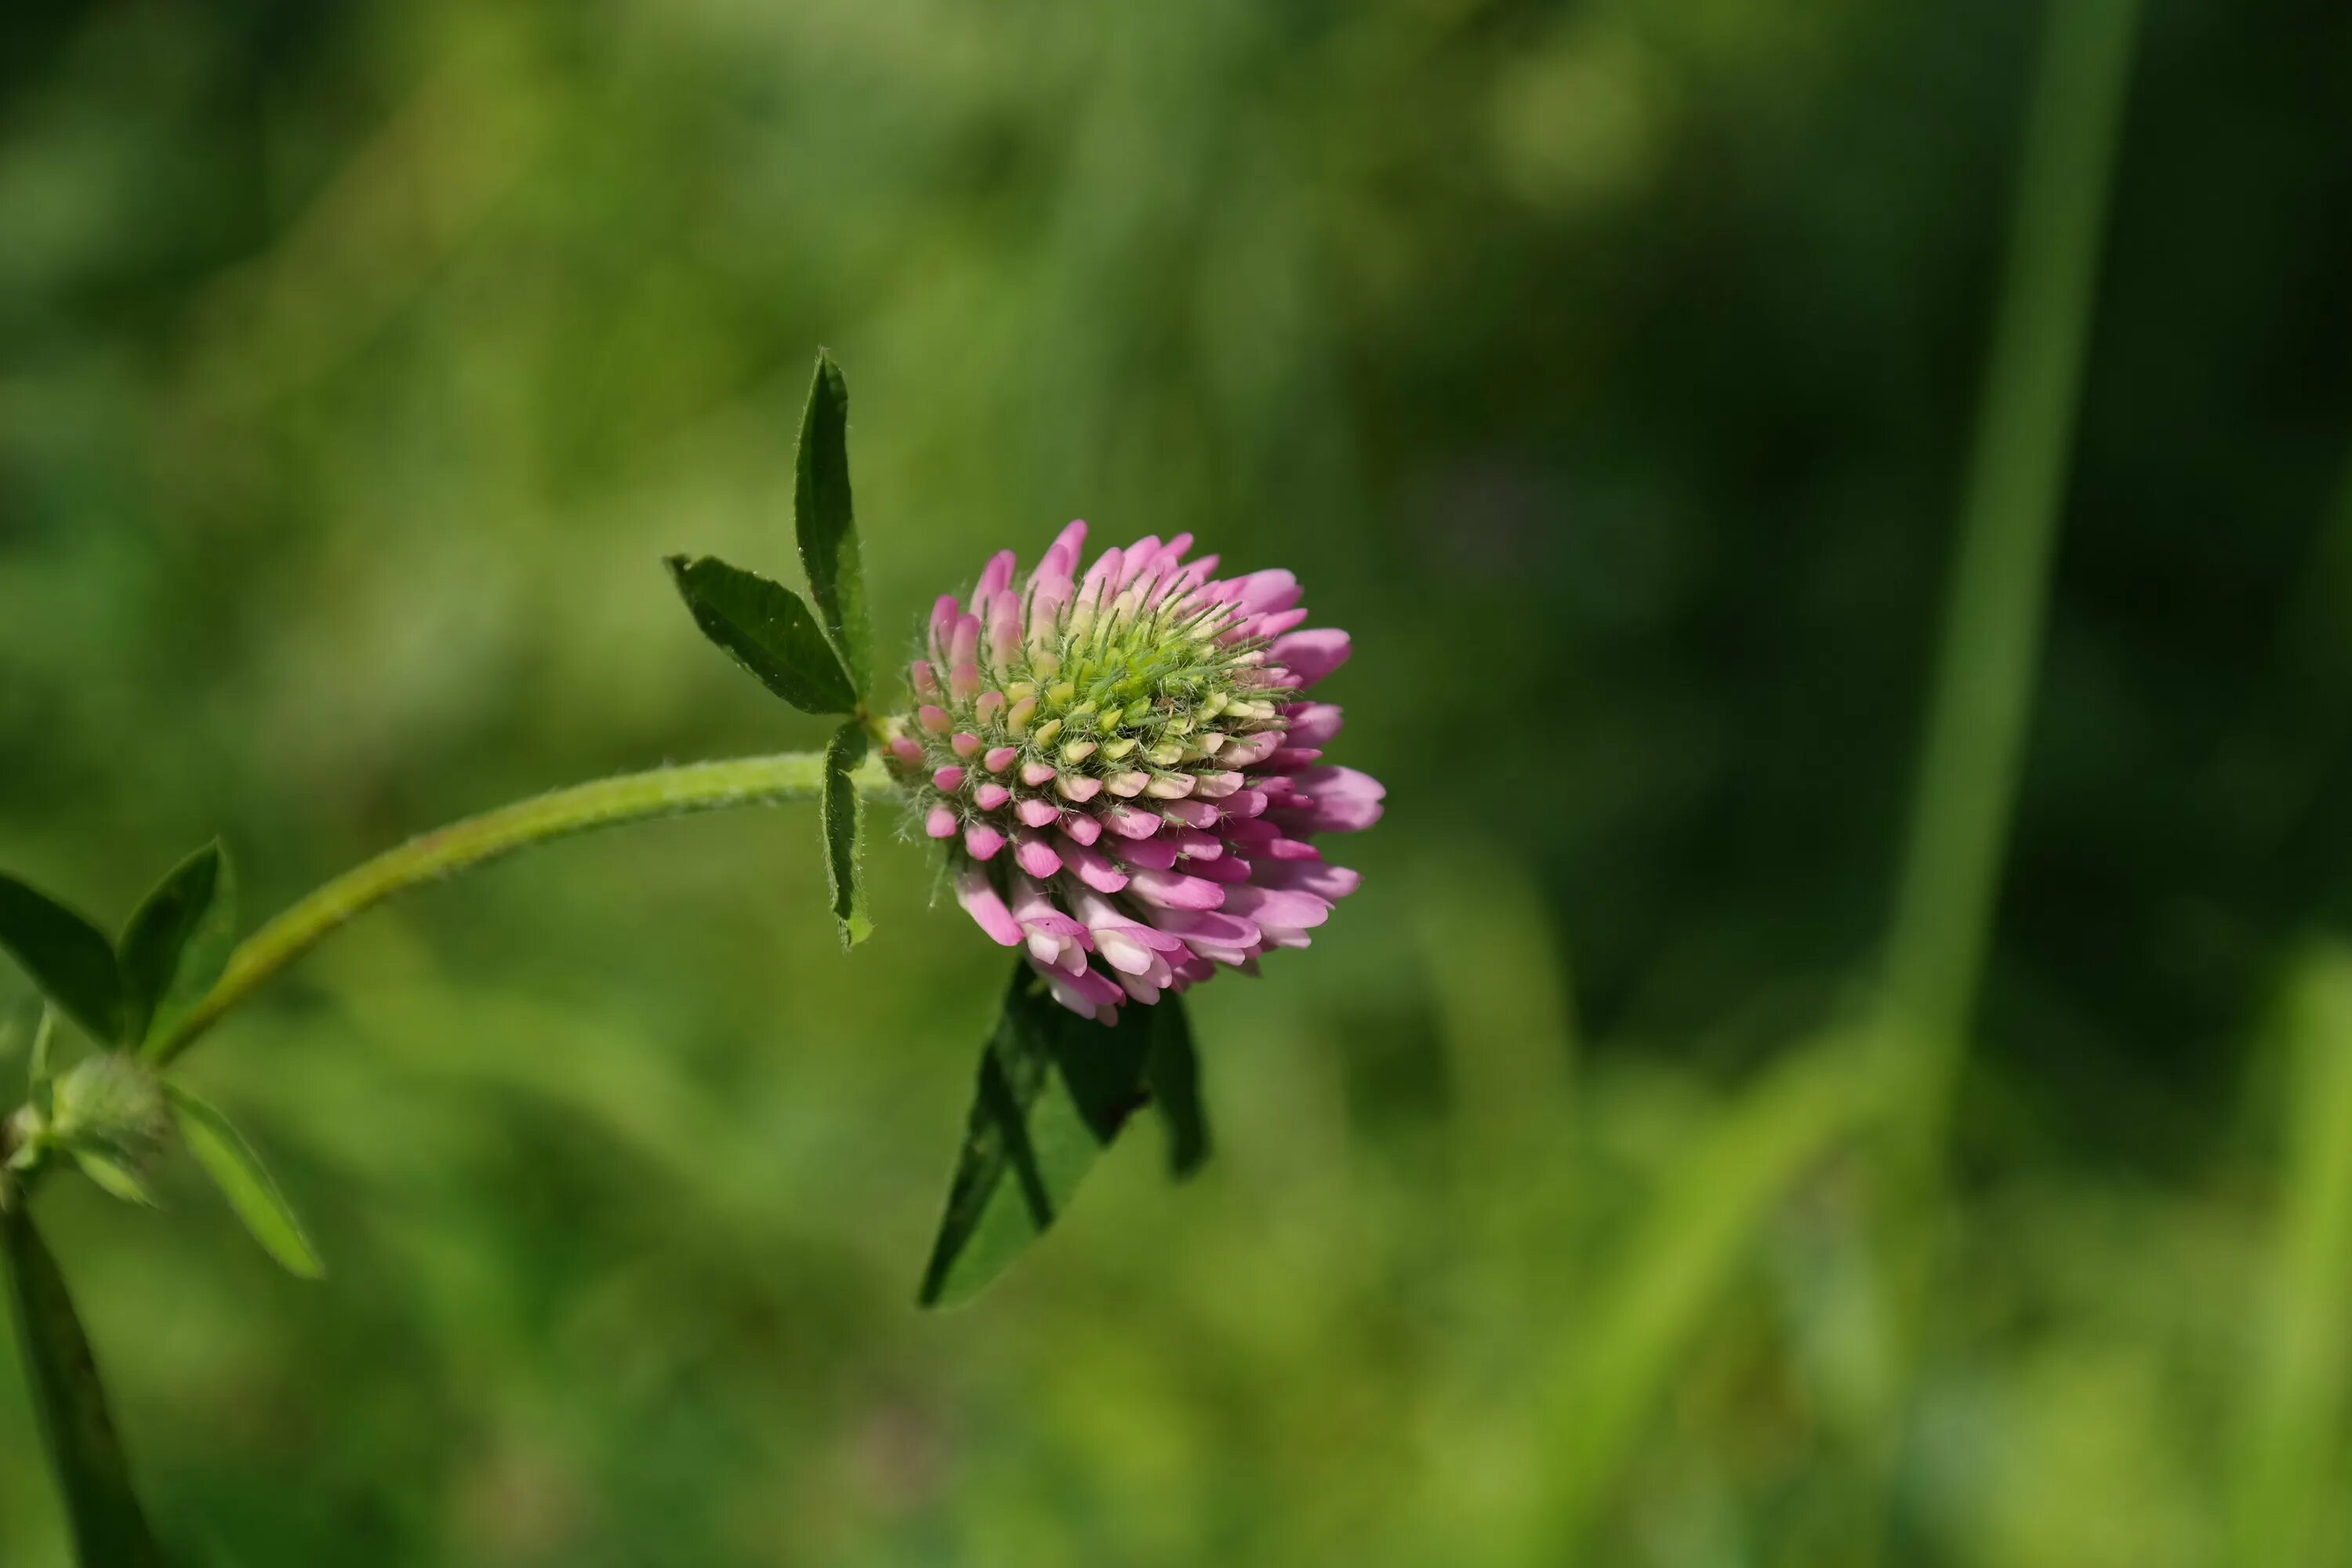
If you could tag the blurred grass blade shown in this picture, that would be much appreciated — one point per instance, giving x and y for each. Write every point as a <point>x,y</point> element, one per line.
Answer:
<point>1054,1089</point>
<point>1676,1264</point>
<point>768,631</point>
<point>2289,1446</point>
<point>1511,1049</point>
<point>252,1193</point>
<point>1171,1075</point>
<point>67,958</point>
<point>845,825</point>
<point>85,1455</point>
<point>822,519</point>
<point>177,942</point>
<point>2008,521</point>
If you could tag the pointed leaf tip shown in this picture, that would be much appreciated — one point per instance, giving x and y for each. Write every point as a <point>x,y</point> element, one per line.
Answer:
<point>68,959</point>
<point>1054,1089</point>
<point>178,943</point>
<point>766,628</point>
<point>825,523</point>
<point>843,821</point>
<point>252,1193</point>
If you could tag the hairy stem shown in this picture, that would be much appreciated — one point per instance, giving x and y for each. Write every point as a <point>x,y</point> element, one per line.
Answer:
<point>607,802</point>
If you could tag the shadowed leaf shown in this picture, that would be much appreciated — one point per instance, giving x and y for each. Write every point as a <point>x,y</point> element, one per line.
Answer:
<point>844,816</point>
<point>822,519</point>
<point>245,1182</point>
<point>93,1479</point>
<point>1054,1089</point>
<point>767,630</point>
<point>177,942</point>
<point>1171,1073</point>
<point>68,958</point>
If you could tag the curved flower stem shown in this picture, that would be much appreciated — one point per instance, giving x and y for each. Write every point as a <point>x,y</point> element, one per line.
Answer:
<point>607,802</point>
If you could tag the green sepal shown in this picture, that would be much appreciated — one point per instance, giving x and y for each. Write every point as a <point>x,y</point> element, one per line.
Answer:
<point>825,523</point>
<point>1054,1089</point>
<point>177,942</point>
<point>843,819</point>
<point>113,1175</point>
<point>253,1195</point>
<point>1171,1073</point>
<point>68,959</point>
<point>94,1478</point>
<point>40,1070</point>
<point>768,631</point>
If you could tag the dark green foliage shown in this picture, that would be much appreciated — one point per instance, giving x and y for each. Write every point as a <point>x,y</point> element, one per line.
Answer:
<point>843,818</point>
<point>1054,1089</point>
<point>177,942</point>
<point>94,1478</point>
<point>827,528</point>
<point>767,630</point>
<point>68,958</point>
<point>1172,1073</point>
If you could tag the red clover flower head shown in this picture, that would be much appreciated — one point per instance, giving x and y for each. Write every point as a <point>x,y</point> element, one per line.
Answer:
<point>1125,767</point>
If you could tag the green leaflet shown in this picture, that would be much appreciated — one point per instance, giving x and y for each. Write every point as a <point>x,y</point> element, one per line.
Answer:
<point>68,959</point>
<point>1053,1090</point>
<point>94,1478</point>
<point>1173,1074</point>
<point>177,942</point>
<point>245,1182</point>
<point>767,630</point>
<point>844,820</point>
<point>823,521</point>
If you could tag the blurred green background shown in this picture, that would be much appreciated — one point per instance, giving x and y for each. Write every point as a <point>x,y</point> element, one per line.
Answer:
<point>1613,370</point>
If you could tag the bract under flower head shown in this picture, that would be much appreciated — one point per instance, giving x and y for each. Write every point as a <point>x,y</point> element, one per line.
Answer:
<point>1126,769</point>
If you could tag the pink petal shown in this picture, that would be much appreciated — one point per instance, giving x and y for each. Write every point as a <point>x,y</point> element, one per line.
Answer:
<point>1153,854</point>
<point>1129,822</point>
<point>980,901</point>
<point>1207,925</point>
<point>1312,724</point>
<point>1175,891</point>
<point>1191,813</point>
<point>1317,877</point>
<point>1261,592</point>
<point>1037,856</point>
<point>995,577</point>
<point>1278,906</point>
<point>1091,868</point>
<point>1311,656</point>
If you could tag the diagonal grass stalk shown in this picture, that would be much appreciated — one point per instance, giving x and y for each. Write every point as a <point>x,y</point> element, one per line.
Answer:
<point>1966,790</point>
<point>2281,1485</point>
